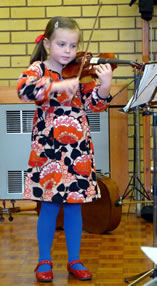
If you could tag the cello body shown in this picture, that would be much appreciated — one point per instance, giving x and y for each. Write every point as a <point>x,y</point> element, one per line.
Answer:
<point>102,215</point>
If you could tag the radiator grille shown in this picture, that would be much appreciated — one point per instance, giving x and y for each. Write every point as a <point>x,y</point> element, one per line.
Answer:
<point>16,182</point>
<point>27,119</point>
<point>94,121</point>
<point>19,121</point>
<point>13,121</point>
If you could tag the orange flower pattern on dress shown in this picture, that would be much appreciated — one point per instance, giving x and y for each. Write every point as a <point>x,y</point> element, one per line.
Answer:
<point>50,175</point>
<point>82,165</point>
<point>36,160</point>
<point>75,198</point>
<point>67,129</point>
<point>61,166</point>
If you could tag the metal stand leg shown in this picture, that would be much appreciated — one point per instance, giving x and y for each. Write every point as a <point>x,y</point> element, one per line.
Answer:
<point>152,272</point>
<point>135,182</point>
<point>141,277</point>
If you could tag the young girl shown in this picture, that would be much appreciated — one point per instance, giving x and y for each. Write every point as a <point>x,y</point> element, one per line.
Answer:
<point>61,167</point>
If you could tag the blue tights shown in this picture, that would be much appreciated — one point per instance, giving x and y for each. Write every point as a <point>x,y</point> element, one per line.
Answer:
<point>46,227</point>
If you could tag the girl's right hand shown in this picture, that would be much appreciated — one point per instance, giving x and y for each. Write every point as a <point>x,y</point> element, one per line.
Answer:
<point>69,86</point>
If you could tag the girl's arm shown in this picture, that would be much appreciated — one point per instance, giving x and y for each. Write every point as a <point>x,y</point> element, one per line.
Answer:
<point>96,97</point>
<point>35,84</point>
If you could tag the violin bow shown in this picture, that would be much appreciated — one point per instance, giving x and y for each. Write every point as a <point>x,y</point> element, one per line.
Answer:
<point>84,57</point>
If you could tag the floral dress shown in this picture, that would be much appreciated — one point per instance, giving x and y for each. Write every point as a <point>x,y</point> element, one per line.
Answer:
<point>61,165</point>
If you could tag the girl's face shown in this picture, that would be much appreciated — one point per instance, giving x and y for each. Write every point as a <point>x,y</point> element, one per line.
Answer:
<point>62,47</point>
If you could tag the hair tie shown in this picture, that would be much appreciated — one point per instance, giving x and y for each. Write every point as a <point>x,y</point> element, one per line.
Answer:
<point>39,38</point>
<point>56,25</point>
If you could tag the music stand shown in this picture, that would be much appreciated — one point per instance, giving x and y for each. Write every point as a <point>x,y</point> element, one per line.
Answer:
<point>145,96</point>
<point>146,92</point>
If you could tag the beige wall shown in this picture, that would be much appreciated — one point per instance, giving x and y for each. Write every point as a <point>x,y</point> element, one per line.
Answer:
<point>118,31</point>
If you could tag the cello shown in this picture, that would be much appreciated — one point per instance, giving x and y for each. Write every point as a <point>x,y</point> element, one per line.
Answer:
<point>103,215</point>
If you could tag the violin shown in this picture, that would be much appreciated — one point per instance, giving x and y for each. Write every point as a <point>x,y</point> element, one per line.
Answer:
<point>73,68</point>
<point>82,65</point>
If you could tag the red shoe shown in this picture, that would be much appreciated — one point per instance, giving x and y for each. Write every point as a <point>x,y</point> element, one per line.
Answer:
<point>46,276</point>
<point>79,274</point>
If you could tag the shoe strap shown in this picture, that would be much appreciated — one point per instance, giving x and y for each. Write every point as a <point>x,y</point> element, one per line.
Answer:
<point>74,262</point>
<point>43,262</point>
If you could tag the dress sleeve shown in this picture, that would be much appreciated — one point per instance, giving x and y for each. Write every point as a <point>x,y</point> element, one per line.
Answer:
<point>91,99</point>
<point>33,84</point>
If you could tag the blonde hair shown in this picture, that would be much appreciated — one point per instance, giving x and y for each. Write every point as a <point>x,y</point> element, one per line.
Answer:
<point>40,53</point>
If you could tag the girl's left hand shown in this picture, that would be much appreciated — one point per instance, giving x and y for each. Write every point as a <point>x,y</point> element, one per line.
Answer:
<point>104,73</point>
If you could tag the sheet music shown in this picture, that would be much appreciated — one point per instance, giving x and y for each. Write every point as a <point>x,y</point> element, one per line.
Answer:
<point>151,253</point>
<point>146,88</point>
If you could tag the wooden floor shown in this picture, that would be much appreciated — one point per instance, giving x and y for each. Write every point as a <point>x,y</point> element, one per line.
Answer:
<point>110,257</point>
